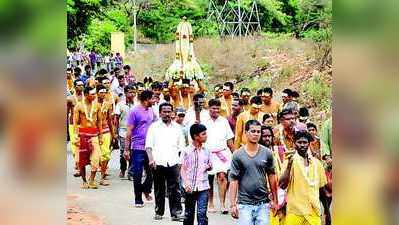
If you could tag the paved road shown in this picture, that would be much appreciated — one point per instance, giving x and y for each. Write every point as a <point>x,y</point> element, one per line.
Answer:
<point>114,204</point>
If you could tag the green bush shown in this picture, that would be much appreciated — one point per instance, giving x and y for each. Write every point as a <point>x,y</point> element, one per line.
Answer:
<point>318,92</point>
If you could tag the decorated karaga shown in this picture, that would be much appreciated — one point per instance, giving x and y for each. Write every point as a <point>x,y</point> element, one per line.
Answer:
<point>185,73</point>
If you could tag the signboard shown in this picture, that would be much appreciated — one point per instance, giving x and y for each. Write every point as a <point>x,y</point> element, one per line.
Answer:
<point>118,43</point>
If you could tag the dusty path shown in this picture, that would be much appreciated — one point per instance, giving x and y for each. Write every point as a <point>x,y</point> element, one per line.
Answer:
<point>113,205</point>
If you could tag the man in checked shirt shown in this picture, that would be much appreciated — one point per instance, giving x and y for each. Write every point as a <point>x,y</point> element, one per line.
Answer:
<point>194,171</point>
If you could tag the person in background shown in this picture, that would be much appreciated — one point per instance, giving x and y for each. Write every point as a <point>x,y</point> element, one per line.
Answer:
<point>99,61</point>
<point>107,61</point>
<point>78,73</point>
<point>269,104</point>
<point>245,94</point>
<point>87,74</point>
<point>166,92</point>
<point>119,89</point>
<point>295,96</point>
<point>129,76</point>
<point>180,114</point>
<point>303,115</point>
<point>236,108</point>
<point>326,196</point>
<point>315,144</point>
<point>253,114</point>
<point>268,120</point>
<point>93,59</point>
<point>286,96</point>
<point>285,130</point>
<point>118,60</point>
<point>266,140</point>
<point>156,89</point>
<point>122,110</point>
<point>199,104</point>
<point>235,95</point>
<point>226,99</point>
<point>218,91</point>
<point>326,137</point>
<point>112,60</point>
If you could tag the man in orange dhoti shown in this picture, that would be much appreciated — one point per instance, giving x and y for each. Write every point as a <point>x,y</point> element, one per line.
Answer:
<point>88,137</point>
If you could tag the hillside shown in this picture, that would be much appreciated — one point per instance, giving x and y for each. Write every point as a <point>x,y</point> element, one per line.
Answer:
<point>276,61</point>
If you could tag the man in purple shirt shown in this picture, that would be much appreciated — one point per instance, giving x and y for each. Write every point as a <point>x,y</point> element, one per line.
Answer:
<point>138,122</point>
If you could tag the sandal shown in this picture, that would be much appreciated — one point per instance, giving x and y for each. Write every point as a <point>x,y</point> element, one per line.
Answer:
<point>85,185</point>
<point>76,174</point>
<point>104,183</point>
<point>211,210</point>
<point>93,185</point>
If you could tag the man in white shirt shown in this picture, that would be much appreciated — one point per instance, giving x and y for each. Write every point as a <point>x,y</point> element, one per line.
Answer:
<point>220,143</point>
<point>191,118</point>
<point>164,141</point>
<point>156,88</point>
<point>119,89</point>
<point>122,109</point>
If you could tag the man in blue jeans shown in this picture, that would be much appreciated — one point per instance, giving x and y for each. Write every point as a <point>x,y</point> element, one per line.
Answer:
<point>250,166</point>
<point>138,122</point>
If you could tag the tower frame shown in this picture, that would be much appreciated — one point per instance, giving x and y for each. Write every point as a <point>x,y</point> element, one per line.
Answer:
<point>232,19</point>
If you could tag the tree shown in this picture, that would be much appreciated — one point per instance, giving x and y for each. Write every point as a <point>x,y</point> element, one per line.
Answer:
<point>79,15</point>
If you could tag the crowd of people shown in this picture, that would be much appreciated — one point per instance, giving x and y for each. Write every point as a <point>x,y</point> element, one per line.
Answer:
<point>178,138</point>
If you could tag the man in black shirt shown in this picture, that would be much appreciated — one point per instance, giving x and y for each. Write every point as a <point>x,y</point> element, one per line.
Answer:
<point>250,166</point>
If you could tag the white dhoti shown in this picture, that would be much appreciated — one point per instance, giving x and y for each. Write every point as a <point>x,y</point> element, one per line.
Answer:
<point>221,160</point>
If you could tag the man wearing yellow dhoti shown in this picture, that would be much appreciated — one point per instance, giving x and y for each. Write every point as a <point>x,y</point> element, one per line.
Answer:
<point>303,177</point>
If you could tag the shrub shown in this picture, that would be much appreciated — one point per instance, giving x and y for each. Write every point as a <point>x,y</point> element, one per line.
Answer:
<point>318,92</point>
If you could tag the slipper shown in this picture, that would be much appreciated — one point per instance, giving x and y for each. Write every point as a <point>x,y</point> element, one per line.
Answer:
<point>104,183</point>
<point>93,185</point>
<point>85,185</point>
<point>148,197</point>
<point>77,174</point>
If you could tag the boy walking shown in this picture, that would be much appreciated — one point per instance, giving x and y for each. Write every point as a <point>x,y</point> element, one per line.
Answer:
<point>196,163</point>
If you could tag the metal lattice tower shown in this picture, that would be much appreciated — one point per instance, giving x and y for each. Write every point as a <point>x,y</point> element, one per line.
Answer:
<point>232,19</point>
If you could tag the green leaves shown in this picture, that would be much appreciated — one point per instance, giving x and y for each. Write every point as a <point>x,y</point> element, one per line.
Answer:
<point>157,19</point>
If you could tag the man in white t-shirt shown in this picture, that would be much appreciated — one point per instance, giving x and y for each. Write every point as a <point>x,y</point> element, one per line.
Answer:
<point>191,118</point>
<point>122,109</point>
<point>220,143</point>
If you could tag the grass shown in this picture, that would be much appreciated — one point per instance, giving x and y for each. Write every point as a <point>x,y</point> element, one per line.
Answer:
<point>318,92</point>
